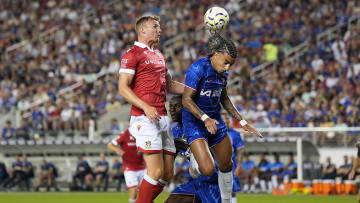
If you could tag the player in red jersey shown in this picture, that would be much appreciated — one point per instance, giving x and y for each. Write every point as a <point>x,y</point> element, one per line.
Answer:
<point>143,82</point>
<point>133,164</point>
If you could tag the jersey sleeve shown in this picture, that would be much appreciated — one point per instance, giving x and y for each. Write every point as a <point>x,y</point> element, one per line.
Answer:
<point>128,62</point>
<point>193,76</point>
<point>118,140</point>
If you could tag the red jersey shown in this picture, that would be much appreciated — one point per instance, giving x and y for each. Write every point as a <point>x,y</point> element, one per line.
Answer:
<point>132,160</point>
<point>149,82</point>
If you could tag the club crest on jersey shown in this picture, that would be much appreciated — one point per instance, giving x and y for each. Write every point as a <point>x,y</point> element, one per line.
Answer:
<point>138,127</point>
<point>148,144</point>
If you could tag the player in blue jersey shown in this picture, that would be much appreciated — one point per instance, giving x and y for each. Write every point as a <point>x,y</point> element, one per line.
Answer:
<point>205,90</point>
<point>203,188</point>
<point>276,169</point>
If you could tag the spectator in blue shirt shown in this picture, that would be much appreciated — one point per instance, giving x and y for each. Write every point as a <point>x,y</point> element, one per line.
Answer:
<point>101,172</point>
<point>117,173</point>
<point>84,174</point>
<point>8,131</point>
<point>23,132</point>
<point>248,166</point>
<point>276,169</point>
<point>48,172</point>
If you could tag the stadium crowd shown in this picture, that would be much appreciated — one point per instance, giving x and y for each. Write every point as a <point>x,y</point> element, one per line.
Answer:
<point>267,174</point>
<point>318,91</point>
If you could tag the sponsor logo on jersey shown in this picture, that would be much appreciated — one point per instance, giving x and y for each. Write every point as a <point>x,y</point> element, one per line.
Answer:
<point>210,93</point>
<point>123,63</point>
<point>157,62</point>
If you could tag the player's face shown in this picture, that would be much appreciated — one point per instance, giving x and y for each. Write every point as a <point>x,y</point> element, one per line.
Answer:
<point>222,62</point>
<point>153,31</point>
<point>175,111</point>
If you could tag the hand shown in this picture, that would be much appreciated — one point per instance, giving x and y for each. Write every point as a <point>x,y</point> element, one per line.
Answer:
<point>250,129</point>
<point>151,113</point>
<point>210,125</point>
<point>120,152</point>
<point>352,174</point>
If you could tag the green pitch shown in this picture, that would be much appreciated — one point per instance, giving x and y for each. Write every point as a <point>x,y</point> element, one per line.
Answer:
<point>67,197</point>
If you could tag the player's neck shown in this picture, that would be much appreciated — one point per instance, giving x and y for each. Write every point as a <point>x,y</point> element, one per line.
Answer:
<point>145,42</point>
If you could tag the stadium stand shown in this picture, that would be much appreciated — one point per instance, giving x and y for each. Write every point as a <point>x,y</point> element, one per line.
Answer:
<point>58,72</point>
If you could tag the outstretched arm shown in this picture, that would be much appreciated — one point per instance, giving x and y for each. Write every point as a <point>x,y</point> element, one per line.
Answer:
<point>229,107</point>
<point>188,103</point>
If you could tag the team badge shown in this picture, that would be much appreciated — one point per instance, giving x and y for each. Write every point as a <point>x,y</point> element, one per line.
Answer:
<point>138,127</point>
<point>148,144</point>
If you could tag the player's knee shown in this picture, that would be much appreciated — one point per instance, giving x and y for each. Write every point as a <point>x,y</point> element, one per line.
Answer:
<point>226,166</point>
<point>156,173</point>
<point>207,170</point>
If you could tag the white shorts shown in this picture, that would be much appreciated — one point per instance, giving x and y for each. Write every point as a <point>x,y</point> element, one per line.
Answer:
<point>152,137</point>
<point>134,178</point>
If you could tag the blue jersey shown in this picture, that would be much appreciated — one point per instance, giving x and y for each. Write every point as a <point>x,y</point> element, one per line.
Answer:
<point>248,165</point>
<point>104,165</point>
<point>208,84</point>
<point>276,168</point>
<point>49,166</point>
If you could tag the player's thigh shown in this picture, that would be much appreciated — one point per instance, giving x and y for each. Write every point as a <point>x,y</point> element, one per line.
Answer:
<point>131,179</point>
<point>180,198</point>
<point>222,152</point>
<point>167,137</point>
<point>200,149</point>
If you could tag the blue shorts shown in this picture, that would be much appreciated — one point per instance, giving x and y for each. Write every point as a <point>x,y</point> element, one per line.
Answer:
<point>236,184</point>
<point>202,191</point>
<point>196,130</point>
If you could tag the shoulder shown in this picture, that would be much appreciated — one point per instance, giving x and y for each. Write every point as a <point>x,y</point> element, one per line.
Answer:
<point>198,66</point>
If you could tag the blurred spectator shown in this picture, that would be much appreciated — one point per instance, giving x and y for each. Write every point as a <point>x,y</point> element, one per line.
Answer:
<point>276,169</point>
<point>344,170</point>
<point>114,126</point>
<point>48,173</point>
<point>117,173</point>
<point>329,170</point>
<point>263,172</point>
<point>83,174</point>
<point>3,175</point>
<point>290,170</point>
<point>101,173</point>
<point>8,131</point>
<point>23,132</point>
<point>249,169</point>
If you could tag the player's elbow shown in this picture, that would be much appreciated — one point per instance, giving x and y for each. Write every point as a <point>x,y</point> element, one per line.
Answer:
<point>185,100</point>
<point>110,146</point>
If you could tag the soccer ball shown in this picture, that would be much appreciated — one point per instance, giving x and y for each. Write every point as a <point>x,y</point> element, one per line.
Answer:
<point>216,19</point>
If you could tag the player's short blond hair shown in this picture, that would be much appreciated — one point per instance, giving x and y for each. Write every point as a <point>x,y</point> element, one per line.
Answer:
<point>143,19</point>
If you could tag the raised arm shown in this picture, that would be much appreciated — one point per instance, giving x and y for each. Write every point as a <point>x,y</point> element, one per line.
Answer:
<point>229,107</point>
<point>125,91</point>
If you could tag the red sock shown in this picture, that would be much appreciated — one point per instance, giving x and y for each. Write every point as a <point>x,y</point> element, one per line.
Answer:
<point>146,190</point>
<point>158,189</point>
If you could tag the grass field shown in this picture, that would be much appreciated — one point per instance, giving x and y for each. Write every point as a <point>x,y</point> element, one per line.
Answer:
<point>109,197</point>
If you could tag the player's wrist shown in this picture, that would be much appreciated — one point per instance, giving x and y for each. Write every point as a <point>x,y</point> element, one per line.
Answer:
<point>243,123</point>
<point>204,117</point>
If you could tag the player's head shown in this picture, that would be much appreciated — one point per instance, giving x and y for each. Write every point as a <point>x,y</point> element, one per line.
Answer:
<point>175,106</point>
<point>226,118</point>
<point>148,30</point>
<point>223,53</point>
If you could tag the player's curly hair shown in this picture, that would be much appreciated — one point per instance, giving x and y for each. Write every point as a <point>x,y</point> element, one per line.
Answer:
<point>219,44</point>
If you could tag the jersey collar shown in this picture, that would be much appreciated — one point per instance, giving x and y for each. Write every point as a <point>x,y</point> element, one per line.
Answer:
<point>142,45</point>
